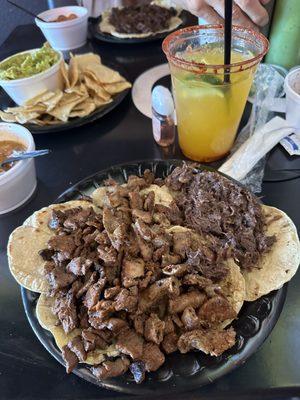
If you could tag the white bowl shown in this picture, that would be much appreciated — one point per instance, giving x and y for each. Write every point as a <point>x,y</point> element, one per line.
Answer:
<point>18,183</point>
<point>21,90</point>
<point>66,35</point>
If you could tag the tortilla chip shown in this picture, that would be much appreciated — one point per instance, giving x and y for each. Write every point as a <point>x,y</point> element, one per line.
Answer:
<point>84,60</point>
<point>95,87</point>
<point>50,322</point>
<point>24,117</point>
<point>73,72</point>
<point>80,90</point>
<point>25,264</point>
<point>83,109</point>
<point>118,87</point>
<point>63,109</point>
<point>280,264</point>
<point>53,100</point>
<point>100,102</point>
<point>104,74</point>
<point>40,98</point>
<point>7,117</point>
<point>65,74</point>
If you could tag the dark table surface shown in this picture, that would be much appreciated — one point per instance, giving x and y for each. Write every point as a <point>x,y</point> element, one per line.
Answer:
<point>27,371</point>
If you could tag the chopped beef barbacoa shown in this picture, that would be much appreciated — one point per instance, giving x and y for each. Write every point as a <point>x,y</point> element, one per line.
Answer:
<point>141,19</point>
<point>122,278</point>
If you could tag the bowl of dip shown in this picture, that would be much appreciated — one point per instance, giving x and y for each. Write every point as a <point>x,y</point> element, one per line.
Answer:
<point>66,27</point>
<point>17,180</point>
<point>32,72</point>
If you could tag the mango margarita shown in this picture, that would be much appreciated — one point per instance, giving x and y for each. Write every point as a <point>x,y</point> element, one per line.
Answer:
<point>209,110</point>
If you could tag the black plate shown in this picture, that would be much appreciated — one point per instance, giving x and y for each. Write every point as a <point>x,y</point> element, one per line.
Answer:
<point>6,101</point>
<point>181,372</point>
<point>106,37</point>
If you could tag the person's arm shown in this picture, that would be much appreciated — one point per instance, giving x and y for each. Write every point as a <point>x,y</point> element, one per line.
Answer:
<point>249,13</point>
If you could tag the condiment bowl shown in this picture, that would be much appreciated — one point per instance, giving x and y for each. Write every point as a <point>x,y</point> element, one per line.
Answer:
<point>21,90</point>
<point>18,183</point>
<point>64,35</point>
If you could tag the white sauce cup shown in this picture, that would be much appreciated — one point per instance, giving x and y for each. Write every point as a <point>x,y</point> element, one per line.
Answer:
<point>65,35</point>
<point>17,184</point>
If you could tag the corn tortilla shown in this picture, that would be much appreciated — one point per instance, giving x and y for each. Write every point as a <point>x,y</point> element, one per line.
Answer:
<point>280,264</point>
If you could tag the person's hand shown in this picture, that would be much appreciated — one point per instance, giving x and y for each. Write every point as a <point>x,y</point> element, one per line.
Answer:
<point>248,13</point>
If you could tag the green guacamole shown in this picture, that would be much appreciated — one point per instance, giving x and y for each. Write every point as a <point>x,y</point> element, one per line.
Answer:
<point>28,64</point>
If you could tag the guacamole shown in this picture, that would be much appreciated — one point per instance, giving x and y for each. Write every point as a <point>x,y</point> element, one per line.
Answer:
<point>28,64</point>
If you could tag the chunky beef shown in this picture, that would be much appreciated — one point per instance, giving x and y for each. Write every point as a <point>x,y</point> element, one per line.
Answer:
<point>83,317</point>
<point>57,277</point>
<point>176,270</point>
<point>152,357</point>
<point>213,342</point>
<point>76,346</point>
<point>193,298</point>
<point>79,266</point>
<point>159,289</point>
<point>190,319</point>
<point>64,245</point>
<point>126,300</point>
<point>93,293</point>
<point>130,343</point>
<point>141,19</point>
<point>70,359</point>
<point>216,310</point>
<point>92,340</point>
<point>65,309</point>
<point>169,344</point>
<point>111,369</point>
<point>154,329</point>
<point>99,314</point>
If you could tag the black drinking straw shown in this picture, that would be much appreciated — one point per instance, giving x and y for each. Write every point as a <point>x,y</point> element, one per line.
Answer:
<point>227,38</point>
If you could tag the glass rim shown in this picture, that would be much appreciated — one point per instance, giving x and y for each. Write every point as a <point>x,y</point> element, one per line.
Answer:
<point>236,28</point>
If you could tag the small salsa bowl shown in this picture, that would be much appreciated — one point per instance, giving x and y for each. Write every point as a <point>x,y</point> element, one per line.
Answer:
<point>65,35</point>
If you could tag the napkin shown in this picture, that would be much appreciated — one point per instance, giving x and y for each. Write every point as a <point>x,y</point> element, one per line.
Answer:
<point>254,148</point>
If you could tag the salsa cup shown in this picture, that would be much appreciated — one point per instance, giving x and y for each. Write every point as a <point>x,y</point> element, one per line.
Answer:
<point>18,183</point>
<point>21,90</point>
<point>65,35</point>
<point>208,106</point>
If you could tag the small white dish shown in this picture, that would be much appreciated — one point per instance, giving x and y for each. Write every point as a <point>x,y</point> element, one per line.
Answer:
<point>292,91</point>
<point>21,90</point>
<point>18,183</point>
<point>64,35</point>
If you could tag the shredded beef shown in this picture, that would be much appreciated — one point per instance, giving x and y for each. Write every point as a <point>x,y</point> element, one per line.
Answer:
<point>214,205</point>
<point>141,19</point>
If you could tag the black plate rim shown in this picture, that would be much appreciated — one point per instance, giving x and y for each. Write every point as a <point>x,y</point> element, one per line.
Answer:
<point>79,121</point>
<point>107,37</point>
<point>229,365</point>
